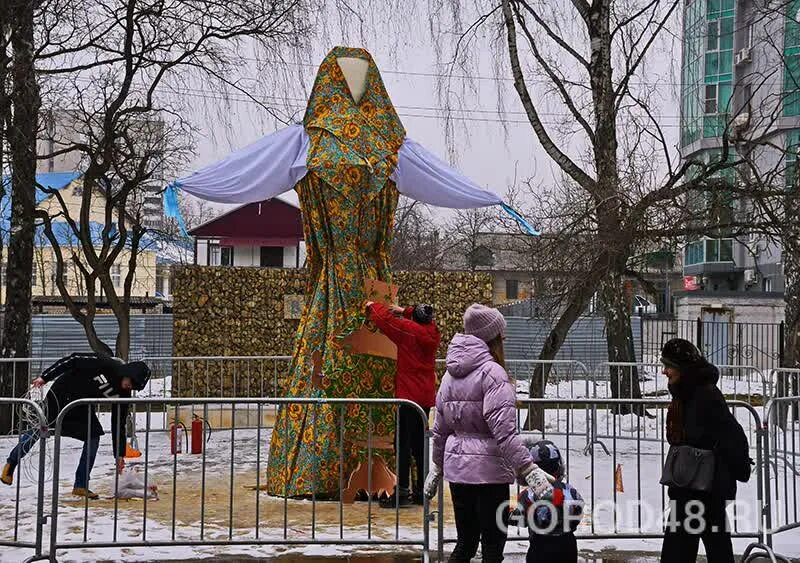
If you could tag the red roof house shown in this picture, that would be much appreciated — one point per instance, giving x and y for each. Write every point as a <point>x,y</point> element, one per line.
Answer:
<point>264,234</point>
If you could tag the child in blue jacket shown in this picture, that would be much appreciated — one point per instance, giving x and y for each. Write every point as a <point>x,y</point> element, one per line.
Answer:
<point>551,523</point>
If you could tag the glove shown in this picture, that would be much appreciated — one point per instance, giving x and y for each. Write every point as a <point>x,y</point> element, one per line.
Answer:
<point>432,481</point>
<point>539,482</point>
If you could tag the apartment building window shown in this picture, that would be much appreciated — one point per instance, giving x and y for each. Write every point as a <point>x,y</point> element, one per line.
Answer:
<point>54,277</point>
<point>226,256</point>
<point>116,275</point>
<point>693,253</point>
<point>792,148</point>
<point>791,65</point>
<point>712,36</point>
<point>271,257</point>
<point>711,99</point>
<point>512,289</point>
<point>708,250</point>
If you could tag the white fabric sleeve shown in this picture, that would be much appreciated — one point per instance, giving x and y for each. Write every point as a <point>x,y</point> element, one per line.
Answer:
<point>422,176</point>
<point>262,170</point>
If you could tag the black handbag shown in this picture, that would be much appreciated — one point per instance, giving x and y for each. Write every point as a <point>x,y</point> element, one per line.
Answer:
<point>687,467</point>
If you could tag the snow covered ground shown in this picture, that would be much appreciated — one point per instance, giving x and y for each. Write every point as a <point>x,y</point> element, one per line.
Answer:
<point>230,508</point>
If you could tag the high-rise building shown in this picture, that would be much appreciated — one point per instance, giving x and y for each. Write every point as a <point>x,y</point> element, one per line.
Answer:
<point>740,74</point>
<point>59,128</point>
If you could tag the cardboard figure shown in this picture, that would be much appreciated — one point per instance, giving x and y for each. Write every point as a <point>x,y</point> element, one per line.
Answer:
<point>348,162</point>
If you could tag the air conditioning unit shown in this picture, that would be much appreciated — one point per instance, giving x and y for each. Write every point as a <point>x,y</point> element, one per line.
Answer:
<point>742,57</point>
<point>750,277</point>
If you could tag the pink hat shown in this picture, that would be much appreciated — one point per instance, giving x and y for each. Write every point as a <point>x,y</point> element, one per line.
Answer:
<point>484,322</point>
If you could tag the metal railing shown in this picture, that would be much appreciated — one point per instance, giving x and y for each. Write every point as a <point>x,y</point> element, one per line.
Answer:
<point>572,422</point>
<point>216,376</point>
<point>26,369</point>
<point>781,473</point>
<point>218,523</point>
<point>12,536</point>
<point>640,517</point>
<point>737,383</point>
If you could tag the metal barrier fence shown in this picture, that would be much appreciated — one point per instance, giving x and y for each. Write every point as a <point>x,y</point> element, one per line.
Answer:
<point>34,523</point>
<point>255,521</point>
<point>216,376</point>
<point>781,474</point>
<point>785,382</point>
<point>609,514</point>
<point>737,383</point>
<point>26,370</point>
<point>245,376</point>
<point>175,519</point>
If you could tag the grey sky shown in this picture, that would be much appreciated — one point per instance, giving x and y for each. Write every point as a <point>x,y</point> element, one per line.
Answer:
<point>485,150</point>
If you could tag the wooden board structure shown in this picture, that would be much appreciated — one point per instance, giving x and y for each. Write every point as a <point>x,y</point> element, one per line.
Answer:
<point>368,339</point>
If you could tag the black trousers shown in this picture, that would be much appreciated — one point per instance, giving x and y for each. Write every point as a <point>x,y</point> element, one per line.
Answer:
<point>476,508</point>
<point>552,549</point>
<point>412,444</point>
<point>681,544</point>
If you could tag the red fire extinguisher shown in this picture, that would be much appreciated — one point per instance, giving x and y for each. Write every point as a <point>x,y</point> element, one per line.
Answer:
<point>177,434</point>
<point>198,427</point>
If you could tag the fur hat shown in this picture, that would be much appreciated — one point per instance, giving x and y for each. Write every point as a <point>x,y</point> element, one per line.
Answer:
<point>681,354</point>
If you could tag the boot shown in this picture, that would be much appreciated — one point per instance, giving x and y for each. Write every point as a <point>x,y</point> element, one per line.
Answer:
<point>81,492</point>
<point>392,502</point>
<point>417,499</point>
<point>7,477</point>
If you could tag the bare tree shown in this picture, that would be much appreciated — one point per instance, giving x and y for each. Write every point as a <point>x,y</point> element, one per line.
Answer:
<point>22,144</point>
<point>624,187</point>
<point>198,211</point>
<point>418,243</point>
<point>467,226</point>
<point>120,82</point>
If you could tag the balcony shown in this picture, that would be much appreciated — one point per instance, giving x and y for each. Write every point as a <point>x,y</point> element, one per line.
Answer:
<point>708,255</point>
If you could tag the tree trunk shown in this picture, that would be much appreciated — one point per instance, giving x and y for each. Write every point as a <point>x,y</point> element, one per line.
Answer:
<point>95,343</point>
<point>123,346</point>
<point>558,335</point>
<point>619,341</point>
<point>22,141</point>
<point>788,382</point>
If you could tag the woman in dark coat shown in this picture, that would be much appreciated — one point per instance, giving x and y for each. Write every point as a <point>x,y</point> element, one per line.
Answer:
<point>698,416</point>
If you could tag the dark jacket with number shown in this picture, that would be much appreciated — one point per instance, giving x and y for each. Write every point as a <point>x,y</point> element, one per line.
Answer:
<point>707,423</point>
<point>85,376</point>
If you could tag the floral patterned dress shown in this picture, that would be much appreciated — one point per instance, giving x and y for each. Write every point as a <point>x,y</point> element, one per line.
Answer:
<point>348,205</point>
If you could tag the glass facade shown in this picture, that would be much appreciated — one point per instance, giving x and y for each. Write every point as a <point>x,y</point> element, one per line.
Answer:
<point>714,207</point>
<point>707,68</point>
<point>708,250</point>
<point>791,57</point>
<point>792,148</point>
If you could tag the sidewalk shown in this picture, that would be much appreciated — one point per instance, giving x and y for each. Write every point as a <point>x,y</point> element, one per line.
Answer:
<point>605,557</point>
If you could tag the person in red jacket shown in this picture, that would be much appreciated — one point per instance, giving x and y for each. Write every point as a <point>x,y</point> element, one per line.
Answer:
<point>414,332</point>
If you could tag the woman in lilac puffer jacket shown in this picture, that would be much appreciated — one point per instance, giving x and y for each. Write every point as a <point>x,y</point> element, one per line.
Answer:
<point>475,440</point>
